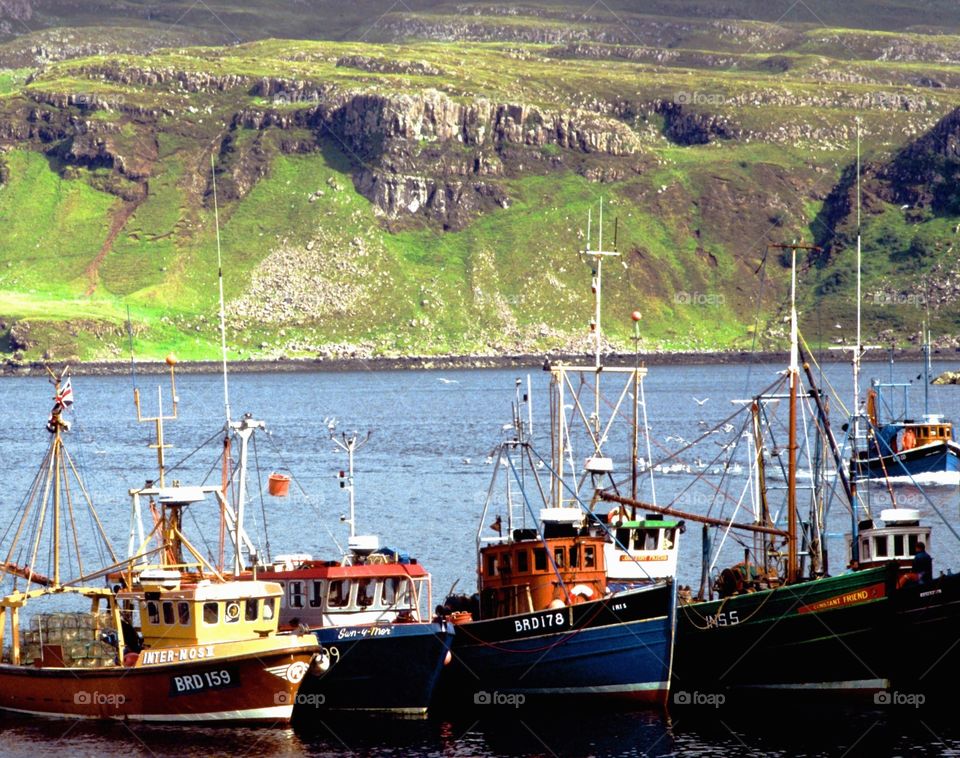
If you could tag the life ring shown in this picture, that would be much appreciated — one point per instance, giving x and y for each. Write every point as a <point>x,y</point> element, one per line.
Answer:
<point>616,517</point>
<point>909,440</point>
<point>581,593</point>
<point>233,611</point>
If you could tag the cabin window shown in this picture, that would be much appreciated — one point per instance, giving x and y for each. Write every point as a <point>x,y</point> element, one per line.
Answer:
<point>523,561</point>
<point>505,563</point>
<point>168,612</point>
<point>153,612</point>
<point>558,557</point>
<point>622,537</point>
<point>233,611</point>
<point>366,592</point>
<point>269,609</point>
<point>491,565</point>
<point>880,546</point>
<point>250,614</point>
<point>668,535</point>
<point>574,557</point>
<point>865,550</point>
<point>183,612</point>
<point>898,544</point>
<point>396,593</point>
<point>650,539</point>
<point>589,557</point>
<point>339,594</point>
<point>211,613</point>
<point>295,594</point>
<point>316,597</point>
<point>540,559</point>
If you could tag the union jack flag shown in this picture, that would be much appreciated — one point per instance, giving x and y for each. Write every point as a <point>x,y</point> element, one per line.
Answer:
<point>65,396</point>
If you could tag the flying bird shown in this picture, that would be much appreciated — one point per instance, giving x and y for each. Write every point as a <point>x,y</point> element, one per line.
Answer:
<point>447,381</point>
<point>700,402</point>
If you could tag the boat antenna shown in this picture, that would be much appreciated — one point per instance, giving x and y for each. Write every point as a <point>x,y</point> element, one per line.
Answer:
<point>223,323</point>
<point>598,255</point>
<point>858,347</point>
<point>133,373</point>
<point>350,444</point>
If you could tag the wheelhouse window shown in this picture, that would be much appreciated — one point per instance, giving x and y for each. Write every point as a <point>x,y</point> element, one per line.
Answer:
<point>668,536</point>
<point>523,561</point>
<point>295,594</point>
<point>269,609</point>
<point>396,593</point>
<point>211,613</point>
<point>233,611</point>
<point>898,545</point>
<point>589,556</point>
<point>505,563</point>
<point>558,557</point>
<point>366,592</point>
<point>880,546</point>
<point>183,612</point>
<point>574,557</point>
<point>912,541</point>
<point>623,538</point>
<point>316,594</point>
<point>252,609</point>
<point>339,594</point>
<point>540,559</point>
<point>153,612</point>
<point>491,565</point>
<point>168,617</point>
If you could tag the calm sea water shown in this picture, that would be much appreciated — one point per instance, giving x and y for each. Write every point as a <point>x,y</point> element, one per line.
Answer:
<point>421,483</point>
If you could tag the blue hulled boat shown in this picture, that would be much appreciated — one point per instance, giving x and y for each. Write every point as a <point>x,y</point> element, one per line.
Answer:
<point>544,622</point>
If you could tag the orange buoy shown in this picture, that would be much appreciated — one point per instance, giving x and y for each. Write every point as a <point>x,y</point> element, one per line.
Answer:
<point>278,484</point>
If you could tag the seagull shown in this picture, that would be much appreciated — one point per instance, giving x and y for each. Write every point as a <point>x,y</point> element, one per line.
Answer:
<point>465,461</point>
<point>447,381</point>
<point>700,402</point>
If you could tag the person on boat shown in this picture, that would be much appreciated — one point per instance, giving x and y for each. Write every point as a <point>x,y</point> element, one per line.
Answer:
<point>922,564</point>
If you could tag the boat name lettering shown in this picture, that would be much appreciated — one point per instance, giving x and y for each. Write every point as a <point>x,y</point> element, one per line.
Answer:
<point>171,655</point>
<point>367,631</point>
<point>872,592</point>
<point>203,682</point>
<point>537,623</point>
<point>618,606</point>
<point>639,557</point>
<point>724,618</point>
<point>929,593</point>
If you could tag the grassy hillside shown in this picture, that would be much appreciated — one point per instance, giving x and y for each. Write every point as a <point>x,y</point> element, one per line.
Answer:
<point>705,154</point>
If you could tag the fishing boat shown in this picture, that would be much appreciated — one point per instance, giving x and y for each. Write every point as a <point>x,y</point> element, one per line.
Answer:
<point>544,622</point>
<point>381,648</point>
<point>764,624</point>
<point>897,445</point>
<point>168,650</point>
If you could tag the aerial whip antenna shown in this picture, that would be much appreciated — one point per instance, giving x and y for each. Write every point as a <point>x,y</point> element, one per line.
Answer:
<point>223,324</point>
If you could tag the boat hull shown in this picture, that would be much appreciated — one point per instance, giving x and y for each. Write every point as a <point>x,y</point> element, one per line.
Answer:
<point>391,668</point>
<point>927,618</point>
<point>940,458</point>
<point>617,648</point>
<point>826,634</point>
<point>257,687</point>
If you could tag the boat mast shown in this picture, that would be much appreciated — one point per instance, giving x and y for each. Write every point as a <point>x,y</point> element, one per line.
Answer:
<point>792,446</point>
<point>350,444</point>
<point>793,373</point>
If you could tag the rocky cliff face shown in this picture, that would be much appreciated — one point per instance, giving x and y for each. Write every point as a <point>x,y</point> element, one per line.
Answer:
<point>428,154</point>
